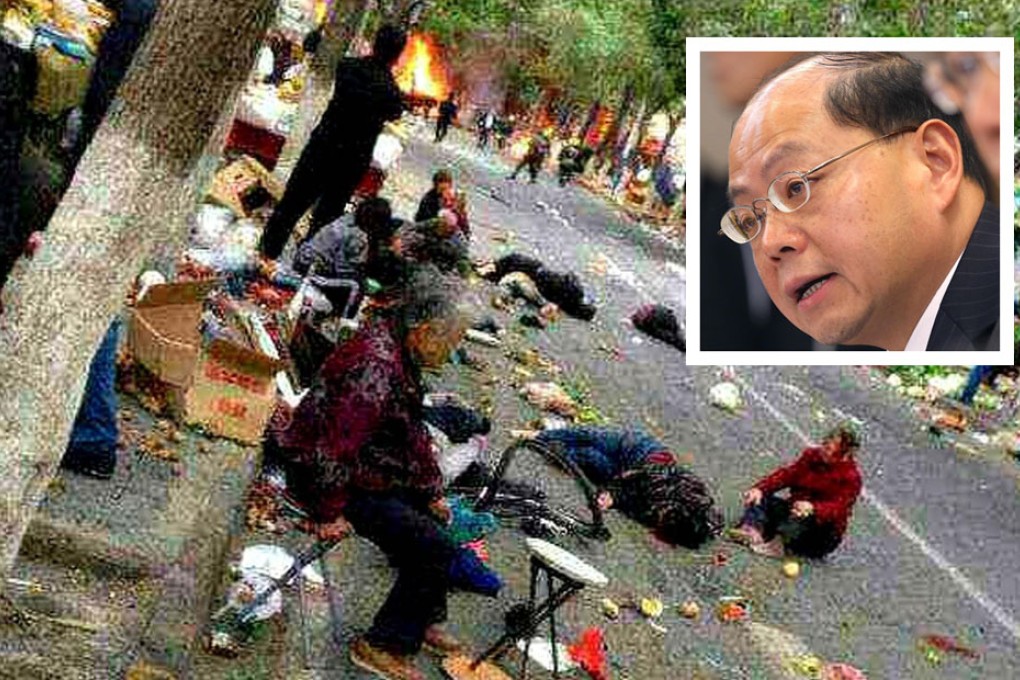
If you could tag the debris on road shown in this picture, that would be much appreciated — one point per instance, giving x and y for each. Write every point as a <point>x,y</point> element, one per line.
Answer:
<point>690,610</point>
<point>590,653</point>
<point>549,396</point>
<point>610,608</point>
<point>660,323</point>
<point>482,338</point>
<point>943,643</point>
<point>805,665</point>
<point>840,671</point>
<point>732,609</point>
<point>651,607</point>
<point>726,396</point>
<point>791,568</point>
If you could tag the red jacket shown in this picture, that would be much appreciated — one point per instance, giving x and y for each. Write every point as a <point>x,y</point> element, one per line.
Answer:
<point>832,488</point>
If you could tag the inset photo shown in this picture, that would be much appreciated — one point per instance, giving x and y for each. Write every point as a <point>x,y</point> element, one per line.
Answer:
<point>849,196</point>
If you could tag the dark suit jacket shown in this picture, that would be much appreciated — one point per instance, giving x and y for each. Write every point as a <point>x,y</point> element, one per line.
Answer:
<point>968,318</point>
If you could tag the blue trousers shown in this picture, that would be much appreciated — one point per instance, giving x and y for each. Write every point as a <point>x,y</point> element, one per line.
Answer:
<point>602,453</point>
<point>977,375</point>
<point>95,426</point>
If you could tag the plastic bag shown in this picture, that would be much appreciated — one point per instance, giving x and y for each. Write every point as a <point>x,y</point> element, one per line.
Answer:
<point>210,225</point>
<point>550,397</point>
<point>726,396</point>
<point>386,152</point>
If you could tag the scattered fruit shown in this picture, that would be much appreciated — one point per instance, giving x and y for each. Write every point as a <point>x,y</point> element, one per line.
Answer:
<point>791,568</point>
<point>651,607</point>
<point>690,610</point>
<point>610,608</point>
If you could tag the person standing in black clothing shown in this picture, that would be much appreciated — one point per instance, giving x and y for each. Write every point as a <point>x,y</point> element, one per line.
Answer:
<point>340,148</point>
<point>116,52</point>
<point>447,112</point>
<point>17,86</point>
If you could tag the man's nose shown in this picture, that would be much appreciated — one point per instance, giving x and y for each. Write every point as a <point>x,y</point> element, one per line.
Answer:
<point>782,235</point>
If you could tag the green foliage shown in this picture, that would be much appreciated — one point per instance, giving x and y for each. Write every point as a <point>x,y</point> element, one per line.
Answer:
<point>593,49</point>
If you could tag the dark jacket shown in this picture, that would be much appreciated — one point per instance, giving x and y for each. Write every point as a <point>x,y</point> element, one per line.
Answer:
<point>968,318</point>
<point>361,427</point>
<point>365,96</point>
<point>429,207</point>
<point>17,87</point>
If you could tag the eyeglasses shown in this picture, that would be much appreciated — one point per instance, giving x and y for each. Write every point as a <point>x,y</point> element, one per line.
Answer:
<point>788,193</point>
<point>953,78</point>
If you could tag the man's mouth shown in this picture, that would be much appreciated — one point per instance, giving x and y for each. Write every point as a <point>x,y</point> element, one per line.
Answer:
<point>811,287</point>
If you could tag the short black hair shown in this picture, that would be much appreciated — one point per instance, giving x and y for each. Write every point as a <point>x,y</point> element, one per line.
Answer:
<point>669,499</point>
<point>884,92</point>
<point>389,42</point>
<point>441,176</point>
<point>374,216</point>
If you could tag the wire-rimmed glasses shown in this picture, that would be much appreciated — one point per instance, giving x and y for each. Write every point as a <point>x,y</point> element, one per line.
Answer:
<point>788,192</point>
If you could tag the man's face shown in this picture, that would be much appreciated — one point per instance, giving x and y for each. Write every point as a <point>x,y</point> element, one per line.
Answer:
<point>859,235</point>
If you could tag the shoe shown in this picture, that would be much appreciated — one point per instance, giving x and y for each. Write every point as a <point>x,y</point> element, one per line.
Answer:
<point>743,536</point>
<point>440,642</point>
<point>773,548</point>
<point>98,462</point>
<point>382,663</point>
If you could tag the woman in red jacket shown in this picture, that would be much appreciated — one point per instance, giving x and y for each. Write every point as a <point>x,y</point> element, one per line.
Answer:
<point>824,483</point>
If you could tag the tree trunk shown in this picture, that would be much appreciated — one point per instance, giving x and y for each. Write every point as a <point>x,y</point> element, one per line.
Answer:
<point>636,133</point>
<point>618,120</point>
<point>134,189</point>
<point>593,113</point>
<point>674,123</point>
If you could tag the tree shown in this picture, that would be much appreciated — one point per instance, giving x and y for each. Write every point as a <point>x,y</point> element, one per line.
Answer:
<point>136,185</point>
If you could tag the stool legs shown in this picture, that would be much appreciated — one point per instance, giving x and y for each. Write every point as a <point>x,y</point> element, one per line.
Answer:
<point>557,594</point>
<point>532,596</point>
<point>552,623</point>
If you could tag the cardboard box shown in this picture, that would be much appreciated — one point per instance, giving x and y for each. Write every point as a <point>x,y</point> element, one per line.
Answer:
<point>241,182</point>
<point>226,389</point>
<point>233,392</point>
<point>163,330</point>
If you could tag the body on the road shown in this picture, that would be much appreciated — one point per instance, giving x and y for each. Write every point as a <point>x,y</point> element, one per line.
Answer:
<point>640,476</point>
<point>864,206</point>
<point>824,483</point>
<point>339,150</point>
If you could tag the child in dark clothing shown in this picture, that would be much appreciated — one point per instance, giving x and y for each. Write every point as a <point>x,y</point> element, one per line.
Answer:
<point>641,478</point>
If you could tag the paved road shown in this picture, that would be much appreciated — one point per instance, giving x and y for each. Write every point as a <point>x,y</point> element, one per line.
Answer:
<point>934,546</point>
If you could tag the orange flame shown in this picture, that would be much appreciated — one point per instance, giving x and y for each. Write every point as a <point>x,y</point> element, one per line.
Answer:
<point>420,70</point>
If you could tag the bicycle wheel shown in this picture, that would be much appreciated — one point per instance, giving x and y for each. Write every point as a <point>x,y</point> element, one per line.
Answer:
<point>546,490</point>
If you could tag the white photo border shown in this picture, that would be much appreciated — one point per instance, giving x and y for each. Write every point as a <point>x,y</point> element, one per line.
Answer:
<point>695,356</point>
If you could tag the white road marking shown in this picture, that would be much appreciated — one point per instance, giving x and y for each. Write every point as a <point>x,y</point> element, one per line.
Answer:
<point>996,611</point>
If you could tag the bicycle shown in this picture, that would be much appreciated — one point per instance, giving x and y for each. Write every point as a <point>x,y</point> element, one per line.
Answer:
<point>546,491</point>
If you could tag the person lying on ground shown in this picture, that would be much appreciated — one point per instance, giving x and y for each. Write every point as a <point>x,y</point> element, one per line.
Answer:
<point>640,476</point>
<point>357,452</point>
<point>442,195</point>
<point>565,290</point>
<point>824,483</point>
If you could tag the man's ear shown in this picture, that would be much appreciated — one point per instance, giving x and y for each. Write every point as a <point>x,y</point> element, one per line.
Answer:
<point>938,146</point>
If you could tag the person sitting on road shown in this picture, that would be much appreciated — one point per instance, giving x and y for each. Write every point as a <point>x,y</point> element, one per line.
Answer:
<point>358,454</point>
<point>339,250</point>
<point>824,484</point>
<point>442,195</point>
<point>641,477</point>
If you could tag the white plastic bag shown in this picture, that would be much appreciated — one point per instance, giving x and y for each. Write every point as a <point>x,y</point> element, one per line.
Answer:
<point>726,396</point>
<point>386,152</point>
<point>210,225</point>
